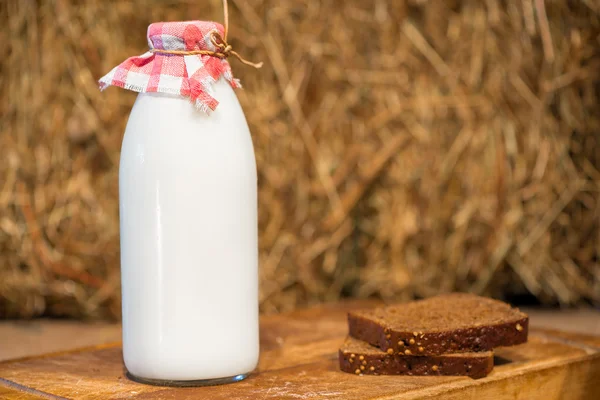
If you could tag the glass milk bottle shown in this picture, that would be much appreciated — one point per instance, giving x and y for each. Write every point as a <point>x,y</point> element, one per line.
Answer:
<point>188,213</point>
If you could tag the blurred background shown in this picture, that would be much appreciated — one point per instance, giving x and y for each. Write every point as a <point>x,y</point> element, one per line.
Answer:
<point>404,148</point>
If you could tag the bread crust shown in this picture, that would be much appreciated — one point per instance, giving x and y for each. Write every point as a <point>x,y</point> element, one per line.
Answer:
<point>377,362</point>
<point>512,329</point>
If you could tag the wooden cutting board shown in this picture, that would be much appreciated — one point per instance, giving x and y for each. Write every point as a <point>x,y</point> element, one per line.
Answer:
<point>299,361</point>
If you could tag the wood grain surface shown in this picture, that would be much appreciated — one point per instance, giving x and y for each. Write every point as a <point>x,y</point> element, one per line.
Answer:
<point>299,361</point>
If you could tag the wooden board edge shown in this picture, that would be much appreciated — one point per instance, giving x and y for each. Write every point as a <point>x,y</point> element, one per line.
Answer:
<point>491,387</point>
<point>61,353</point>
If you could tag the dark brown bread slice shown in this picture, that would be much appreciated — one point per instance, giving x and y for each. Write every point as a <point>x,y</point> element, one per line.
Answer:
<point>451,323</point>
<point>358,357</point>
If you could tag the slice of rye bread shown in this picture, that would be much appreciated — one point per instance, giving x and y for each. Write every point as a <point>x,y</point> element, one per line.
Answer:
<point>358,357</point>
<point>450,323</point>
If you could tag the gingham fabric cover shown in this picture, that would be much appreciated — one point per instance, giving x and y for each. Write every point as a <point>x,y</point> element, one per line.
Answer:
<point>189,76</point>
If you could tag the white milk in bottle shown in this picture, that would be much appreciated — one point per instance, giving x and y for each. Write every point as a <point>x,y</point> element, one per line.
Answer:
<point>188,213</point>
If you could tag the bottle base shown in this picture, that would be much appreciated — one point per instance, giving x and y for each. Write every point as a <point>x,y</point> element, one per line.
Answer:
<point>198,382</point>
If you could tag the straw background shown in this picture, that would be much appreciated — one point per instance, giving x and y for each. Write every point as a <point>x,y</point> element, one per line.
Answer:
<point>404,148</point>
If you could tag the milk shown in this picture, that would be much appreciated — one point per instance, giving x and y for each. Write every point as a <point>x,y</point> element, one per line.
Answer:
<point>188,215</point>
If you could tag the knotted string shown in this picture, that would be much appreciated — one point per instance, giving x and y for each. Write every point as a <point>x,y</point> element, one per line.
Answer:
<point>224,49</point>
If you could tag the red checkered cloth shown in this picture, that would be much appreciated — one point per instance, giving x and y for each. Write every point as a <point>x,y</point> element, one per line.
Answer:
<point>187,75</point>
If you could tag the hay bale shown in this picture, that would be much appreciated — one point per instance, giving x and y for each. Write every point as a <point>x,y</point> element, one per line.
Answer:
<point>404,148</point>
